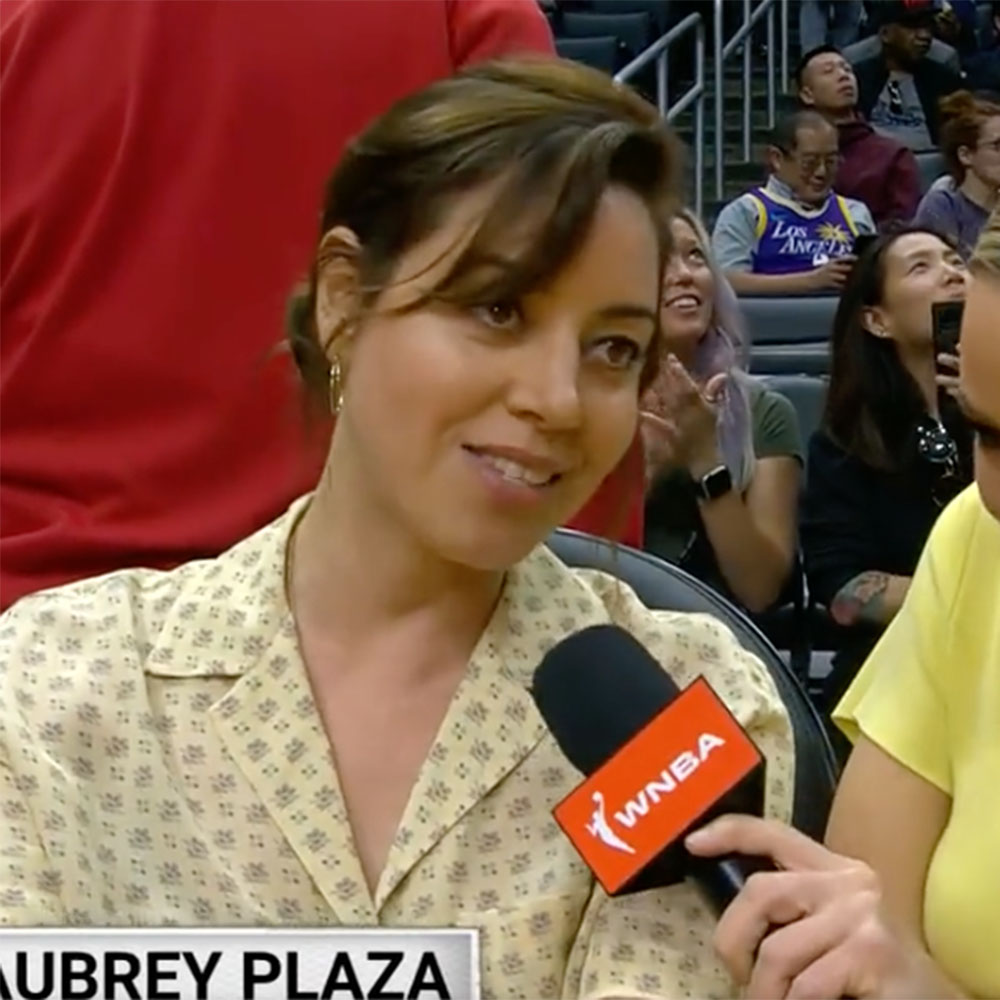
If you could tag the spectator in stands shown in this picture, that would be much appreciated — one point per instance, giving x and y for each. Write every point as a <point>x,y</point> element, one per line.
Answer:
<point>982,68</point>
<point>902,902</point>
<point>900,88</point>
<point>815,17</point>
<point>874,169</point>
<point>147,255</point>
<point>892,449</point>
<point>960,204</point>
<point>796,234</point>
<point>723,452</point>
<point>331,724</point>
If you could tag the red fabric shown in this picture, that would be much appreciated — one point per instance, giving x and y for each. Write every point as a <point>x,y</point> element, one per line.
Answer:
<point>878,171</point>
<point>162,170</point>
<point>616,510</point>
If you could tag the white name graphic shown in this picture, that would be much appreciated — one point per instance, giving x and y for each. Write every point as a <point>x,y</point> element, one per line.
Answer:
<point>253,964</point>
<point>677,771</point>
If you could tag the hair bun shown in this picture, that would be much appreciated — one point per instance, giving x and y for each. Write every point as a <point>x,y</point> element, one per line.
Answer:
<point>957,104</point>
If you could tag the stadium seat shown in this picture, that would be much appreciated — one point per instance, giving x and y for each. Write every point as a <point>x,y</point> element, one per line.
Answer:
<point>807,393</point>
<point>930,163</point>
<point>789,334</point>
<point>600,53</point>
<point>633,31</point>
<point>660,584</point>
<point>658,11</point>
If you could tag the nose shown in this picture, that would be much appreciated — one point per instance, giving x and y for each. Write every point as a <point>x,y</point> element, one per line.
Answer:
<point>677,271</point>
<point>544,380</point>
<point>953,274</point>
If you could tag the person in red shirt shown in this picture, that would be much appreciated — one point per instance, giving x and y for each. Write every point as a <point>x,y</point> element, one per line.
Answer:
<point>161,167</point>
<point>874,168</point>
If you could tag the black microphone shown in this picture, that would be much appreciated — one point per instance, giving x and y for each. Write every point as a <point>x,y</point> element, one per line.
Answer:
<point>660,763</point>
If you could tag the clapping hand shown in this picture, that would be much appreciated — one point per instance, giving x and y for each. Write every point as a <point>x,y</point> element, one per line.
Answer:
<point>679,418</point>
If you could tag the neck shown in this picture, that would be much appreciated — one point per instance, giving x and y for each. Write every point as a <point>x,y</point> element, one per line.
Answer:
<point>920,364</point>
<point>978,191</point>
<point>893,63</point>
<point>842,116</point>
<point>356,573</point>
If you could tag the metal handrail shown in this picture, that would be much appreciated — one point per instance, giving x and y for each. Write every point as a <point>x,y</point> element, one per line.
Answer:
<point>695,94</point>
<point>723,51</point>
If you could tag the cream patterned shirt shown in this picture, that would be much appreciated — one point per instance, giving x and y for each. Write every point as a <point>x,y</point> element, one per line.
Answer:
<point>162,762</point>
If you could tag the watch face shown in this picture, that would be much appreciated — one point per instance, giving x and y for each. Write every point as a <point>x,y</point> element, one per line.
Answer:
<point>717,483</point>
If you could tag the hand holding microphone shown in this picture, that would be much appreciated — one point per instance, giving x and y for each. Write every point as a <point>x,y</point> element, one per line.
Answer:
<point>814,928</point>
<point>796,920</point>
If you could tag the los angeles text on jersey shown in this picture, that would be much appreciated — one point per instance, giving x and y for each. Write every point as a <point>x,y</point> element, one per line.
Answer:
<point>248,966</point>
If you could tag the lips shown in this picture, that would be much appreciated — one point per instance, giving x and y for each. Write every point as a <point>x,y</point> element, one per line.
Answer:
<point>685,301</point>
<point>519,466</point>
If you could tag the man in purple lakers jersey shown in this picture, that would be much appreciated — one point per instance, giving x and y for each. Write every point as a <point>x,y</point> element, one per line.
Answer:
<point>794,235</point>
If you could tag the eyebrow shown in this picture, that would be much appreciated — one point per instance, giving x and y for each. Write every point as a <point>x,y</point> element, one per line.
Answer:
<point>626,310</point>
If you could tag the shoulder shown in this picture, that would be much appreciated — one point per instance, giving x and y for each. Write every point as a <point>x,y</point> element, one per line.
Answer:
<point>740,209</point>
<point>774,422</point>
<point>119,614</point>
<point>964,534</point>
<point>859,212</point>
<point>689,645</point>
<point>184,622</point>
<point>828,459</point>
<point>939,197</point>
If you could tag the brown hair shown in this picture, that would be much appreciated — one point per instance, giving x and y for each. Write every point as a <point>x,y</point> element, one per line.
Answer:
<point>962,116</point>
<point>553,134</point>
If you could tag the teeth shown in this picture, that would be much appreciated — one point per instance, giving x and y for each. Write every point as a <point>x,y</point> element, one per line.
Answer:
<point>516,472</point>
<point>685,300</point>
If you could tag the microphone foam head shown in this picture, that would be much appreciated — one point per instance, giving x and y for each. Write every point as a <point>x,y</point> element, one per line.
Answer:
<point>596,689</point>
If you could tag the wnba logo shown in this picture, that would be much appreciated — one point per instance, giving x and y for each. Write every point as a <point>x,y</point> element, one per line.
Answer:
<point>678,771</point>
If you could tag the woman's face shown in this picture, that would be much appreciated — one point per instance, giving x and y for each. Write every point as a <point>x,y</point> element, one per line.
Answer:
<point>920,269</point>
<point>980,377</point>
<point>984,159</point>
<point>688,291</point>
<point>479,430</point>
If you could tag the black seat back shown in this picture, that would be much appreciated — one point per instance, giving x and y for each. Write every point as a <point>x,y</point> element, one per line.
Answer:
<point>633,31</point>
<point>930,163</point>
<point>662,585</point>
<point>789,334</point>
<point>599,53</point>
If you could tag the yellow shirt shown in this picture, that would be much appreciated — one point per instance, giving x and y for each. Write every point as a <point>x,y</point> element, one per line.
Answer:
<point>162,761</point>
<point>929,695</point>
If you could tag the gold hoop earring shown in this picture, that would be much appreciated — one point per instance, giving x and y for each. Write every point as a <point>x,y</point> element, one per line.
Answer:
<point>336,388</point>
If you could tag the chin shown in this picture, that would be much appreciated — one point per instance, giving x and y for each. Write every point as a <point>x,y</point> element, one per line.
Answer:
<point>492,550</point>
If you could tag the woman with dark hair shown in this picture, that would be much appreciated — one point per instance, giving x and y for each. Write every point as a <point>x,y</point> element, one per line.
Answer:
<point>893,448</point>
<point>332,723</point>
<point>958,205</point>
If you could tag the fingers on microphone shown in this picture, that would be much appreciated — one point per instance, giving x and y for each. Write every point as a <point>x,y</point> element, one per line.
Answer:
<point>755,836</point>
<point>792,961</point>
<point>767,899</point>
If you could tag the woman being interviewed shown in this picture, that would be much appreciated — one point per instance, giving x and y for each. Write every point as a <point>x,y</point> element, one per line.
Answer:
<point>331,723</point>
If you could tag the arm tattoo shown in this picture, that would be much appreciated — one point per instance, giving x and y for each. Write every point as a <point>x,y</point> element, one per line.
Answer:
<point>861,600</point>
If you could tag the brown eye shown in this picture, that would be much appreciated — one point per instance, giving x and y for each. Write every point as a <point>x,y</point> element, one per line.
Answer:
<point>618,352</point>
<point>499,315</point>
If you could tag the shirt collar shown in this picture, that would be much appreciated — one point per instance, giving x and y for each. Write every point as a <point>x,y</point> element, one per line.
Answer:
<point>777,187</point>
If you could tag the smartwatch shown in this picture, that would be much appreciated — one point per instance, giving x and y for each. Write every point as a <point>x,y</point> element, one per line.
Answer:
<point>714,484</point>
